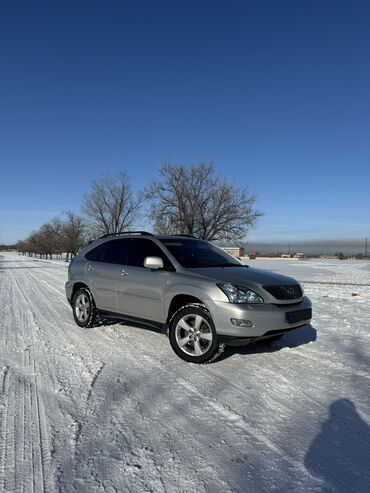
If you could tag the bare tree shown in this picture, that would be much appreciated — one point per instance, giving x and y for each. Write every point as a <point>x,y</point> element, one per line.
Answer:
<point>51,236</point>
<point>73,234</point>
<point>46,241</point>
<point>193,200</point>
<point>56,237</point>
<point>36,243</point>
<point>111,206</point>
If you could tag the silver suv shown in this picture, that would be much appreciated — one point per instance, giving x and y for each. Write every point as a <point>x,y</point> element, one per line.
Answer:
<point>201,296</point>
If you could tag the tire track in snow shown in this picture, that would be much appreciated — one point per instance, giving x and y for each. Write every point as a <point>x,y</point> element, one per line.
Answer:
<point>43,471</point>
<point>46,283</point>
<point>73,357</point>
<point>6,401</point>
<point>4,417</point>
<point>93,382</point>
<point>26,459</point>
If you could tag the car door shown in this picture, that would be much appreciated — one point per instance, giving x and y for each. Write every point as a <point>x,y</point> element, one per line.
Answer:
<point>140,290</point>
<point>103,270</point>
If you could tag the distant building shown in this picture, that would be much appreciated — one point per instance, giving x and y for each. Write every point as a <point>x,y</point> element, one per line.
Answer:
<point>235,251</point>
<point>298,255</point>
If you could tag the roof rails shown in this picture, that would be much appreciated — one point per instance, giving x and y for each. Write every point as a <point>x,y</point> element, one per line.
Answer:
<point>187,236</point>
<point>126,233</point>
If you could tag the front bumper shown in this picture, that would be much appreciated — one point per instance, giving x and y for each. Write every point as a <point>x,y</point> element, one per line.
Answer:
<point>265,317</point>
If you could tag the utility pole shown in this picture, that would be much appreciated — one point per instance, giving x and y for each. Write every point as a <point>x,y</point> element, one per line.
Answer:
<point>289,248</point>
<point>365,247</point>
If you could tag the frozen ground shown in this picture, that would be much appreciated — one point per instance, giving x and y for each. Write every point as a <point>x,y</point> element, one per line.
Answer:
<point>113,409</point>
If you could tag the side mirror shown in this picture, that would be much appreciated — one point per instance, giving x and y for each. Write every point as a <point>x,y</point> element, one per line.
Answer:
<point>153,263</point>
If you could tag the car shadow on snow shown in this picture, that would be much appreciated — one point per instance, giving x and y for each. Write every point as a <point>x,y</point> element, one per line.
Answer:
<point>102,321</point>
<point>339,455</point>
<point>298,337</point>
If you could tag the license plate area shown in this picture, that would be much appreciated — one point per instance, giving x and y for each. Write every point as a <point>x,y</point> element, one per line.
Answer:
<point>298,316</point>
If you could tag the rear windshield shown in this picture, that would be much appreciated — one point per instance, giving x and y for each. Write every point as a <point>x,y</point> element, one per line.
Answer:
<point>199,253</point>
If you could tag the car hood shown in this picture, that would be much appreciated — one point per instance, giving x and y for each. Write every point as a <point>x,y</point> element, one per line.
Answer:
<point>243,276</point>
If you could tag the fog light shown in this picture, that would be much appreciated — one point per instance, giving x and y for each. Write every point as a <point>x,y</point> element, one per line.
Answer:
<point>238,322</point>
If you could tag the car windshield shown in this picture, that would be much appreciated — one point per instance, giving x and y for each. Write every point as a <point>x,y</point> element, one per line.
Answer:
<point>199,253</point>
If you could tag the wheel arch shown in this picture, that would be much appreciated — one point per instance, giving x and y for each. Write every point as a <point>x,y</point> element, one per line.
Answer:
<point>194,307</point>
<point>77,286</point>
<point>180,300</point>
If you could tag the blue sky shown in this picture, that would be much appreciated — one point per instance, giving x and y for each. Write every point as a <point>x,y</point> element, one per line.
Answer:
<point>275,93</point>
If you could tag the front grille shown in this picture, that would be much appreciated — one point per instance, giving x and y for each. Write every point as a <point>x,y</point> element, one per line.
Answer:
<point>285,292</point>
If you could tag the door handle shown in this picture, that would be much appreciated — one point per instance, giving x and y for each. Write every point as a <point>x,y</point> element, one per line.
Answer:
<point>124,273</point>
<point>90,267</point>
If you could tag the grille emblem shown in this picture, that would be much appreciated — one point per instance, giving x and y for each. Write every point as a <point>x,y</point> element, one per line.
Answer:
<point>290,290</point>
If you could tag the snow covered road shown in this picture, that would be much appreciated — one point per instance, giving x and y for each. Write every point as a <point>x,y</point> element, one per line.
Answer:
<point>114,409</point>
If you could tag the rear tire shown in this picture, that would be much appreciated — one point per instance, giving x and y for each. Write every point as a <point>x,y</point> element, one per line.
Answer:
<point>83,307</point>
<point>193,336</point>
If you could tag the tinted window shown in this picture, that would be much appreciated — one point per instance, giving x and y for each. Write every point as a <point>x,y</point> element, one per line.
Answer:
<point>95,254</point>
<point>199,253</point>
<point>141,248</point>
<point>115,252</point>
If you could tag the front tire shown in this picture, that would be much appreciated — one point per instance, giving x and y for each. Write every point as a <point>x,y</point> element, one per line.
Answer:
<point>193,336</point>
<point>83,307</point>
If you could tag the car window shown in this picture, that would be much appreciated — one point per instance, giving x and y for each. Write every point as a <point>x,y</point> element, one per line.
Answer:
<point>198,253</point>
<point>141,248</point>
<point>95,254</point>
<point>115,252</point>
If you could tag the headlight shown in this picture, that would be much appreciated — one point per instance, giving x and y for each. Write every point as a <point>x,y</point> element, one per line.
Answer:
<point>238,294</point>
